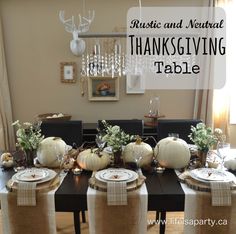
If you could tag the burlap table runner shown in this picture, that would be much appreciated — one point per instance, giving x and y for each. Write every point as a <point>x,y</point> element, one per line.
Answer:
<point>125,219</point>
<point>38,219</point>
<point>201,217</point>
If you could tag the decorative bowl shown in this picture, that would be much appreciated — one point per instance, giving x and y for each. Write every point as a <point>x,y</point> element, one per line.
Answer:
<point>53,117</point>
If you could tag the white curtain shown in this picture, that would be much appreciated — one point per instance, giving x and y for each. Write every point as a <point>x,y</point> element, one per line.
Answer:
<point>221,97</point>
<point>203,108</point>
<point>7,140</point>
<point>212,106</point>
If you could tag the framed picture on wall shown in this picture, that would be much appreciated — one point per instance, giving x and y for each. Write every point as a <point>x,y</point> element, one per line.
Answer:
<point>68,72</point>
<point>135,84</point>
<point>103,88</point>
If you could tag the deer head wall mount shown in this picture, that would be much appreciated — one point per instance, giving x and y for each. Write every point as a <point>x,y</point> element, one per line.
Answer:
<point>77,45</point>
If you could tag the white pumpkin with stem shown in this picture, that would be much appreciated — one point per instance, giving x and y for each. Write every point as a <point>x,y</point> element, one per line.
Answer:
<point>48,151</point>
<point>138,151</point>
<point>172,152</point>
<point>93,159</point>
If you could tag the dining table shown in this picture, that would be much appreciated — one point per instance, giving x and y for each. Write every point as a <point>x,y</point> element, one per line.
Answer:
<point>164,193</point>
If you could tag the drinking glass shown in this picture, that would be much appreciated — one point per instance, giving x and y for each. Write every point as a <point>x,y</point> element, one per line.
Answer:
<point>138,159</point>
<point>60,154</point>
<point>99,141</point>
<point>223,149</point>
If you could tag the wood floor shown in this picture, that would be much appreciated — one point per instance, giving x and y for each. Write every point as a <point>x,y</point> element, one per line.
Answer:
<point>65,223</point>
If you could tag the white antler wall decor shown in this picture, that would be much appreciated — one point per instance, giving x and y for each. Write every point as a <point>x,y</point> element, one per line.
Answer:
<point>77,45</point>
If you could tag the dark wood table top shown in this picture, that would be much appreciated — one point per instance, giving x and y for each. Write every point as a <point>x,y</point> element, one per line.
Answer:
<point>164,191</point>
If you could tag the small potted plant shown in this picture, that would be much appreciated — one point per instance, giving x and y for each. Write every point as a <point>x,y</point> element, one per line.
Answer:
<point>28,137</point>
<point>116,138</point>
<point>204,138</point>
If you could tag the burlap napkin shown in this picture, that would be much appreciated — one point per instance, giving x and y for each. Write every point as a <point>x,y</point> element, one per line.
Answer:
<point>26,194</point>
<point>116,193</point>
<point>221,193</point>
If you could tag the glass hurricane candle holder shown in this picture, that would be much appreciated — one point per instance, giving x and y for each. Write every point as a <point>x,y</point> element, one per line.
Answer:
<point>77,171</point>
<point>154,106</point>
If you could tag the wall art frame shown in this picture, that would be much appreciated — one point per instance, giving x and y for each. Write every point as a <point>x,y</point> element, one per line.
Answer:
<point>103,88</point>
<point>68,72</point>
<point>134,84</point>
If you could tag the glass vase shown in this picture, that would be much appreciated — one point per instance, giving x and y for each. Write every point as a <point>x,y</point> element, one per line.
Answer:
<point>154,107</point>
<point>29,158</point>
<point>118,161</point>
<point>202,155</point>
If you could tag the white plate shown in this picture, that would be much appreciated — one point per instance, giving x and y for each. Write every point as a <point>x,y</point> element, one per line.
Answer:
<point>210,174</point>
<point>114,174</point>
<point>49,175</point>
<point>32,174</point>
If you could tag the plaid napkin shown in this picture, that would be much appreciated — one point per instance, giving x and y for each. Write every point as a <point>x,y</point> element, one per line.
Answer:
<point>26,194</point>
<point>116,193</point>
<point>220,194</point>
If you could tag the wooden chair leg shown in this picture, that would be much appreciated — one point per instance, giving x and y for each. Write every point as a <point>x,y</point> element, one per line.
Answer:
<point>157,215</point>
<point>83,216</point>
<point>77,222</point>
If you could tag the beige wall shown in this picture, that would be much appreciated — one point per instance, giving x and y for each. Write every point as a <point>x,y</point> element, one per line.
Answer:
<point>35,44</point>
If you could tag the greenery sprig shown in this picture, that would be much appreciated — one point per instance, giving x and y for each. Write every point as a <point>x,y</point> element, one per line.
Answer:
<point>28,135</point>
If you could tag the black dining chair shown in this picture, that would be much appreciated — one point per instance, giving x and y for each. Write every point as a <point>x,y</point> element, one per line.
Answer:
<point>69,131</point>
<point>180,126</point>
<point>72,133</point>
<point>130,126</point>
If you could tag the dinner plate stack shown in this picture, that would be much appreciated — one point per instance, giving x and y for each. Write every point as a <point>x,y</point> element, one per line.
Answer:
<point>101,178</point>
<point>41,176</point>
<point>207,175</point>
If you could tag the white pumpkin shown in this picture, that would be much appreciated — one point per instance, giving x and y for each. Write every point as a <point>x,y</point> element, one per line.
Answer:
<point>172,152</point>
<point>230,164</point>
<point>7,160</point>
<point>90,160</point>
<point>49,150</point>
<point>138,151</point>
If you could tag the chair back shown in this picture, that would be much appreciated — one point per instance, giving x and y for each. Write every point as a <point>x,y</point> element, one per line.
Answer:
<point>179,126</point>
<point>130,126</point>
<point>70,131</point>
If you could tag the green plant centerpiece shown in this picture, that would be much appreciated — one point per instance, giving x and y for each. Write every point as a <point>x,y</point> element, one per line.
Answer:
<point>115,138</point>
<point>28,137</point>
<point>205,138</point>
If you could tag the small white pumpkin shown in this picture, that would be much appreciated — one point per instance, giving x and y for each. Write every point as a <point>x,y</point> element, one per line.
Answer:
<point>136,150</point>
<point>172,152</point>
<point>6,157</point>
<point>91,160</point>
<point>69,164</point>
<point>7,160</point>
<point>48,151</point>
<point>230,164</point>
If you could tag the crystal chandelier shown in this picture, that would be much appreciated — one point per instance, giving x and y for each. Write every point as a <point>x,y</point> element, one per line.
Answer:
<point>99,62</point>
